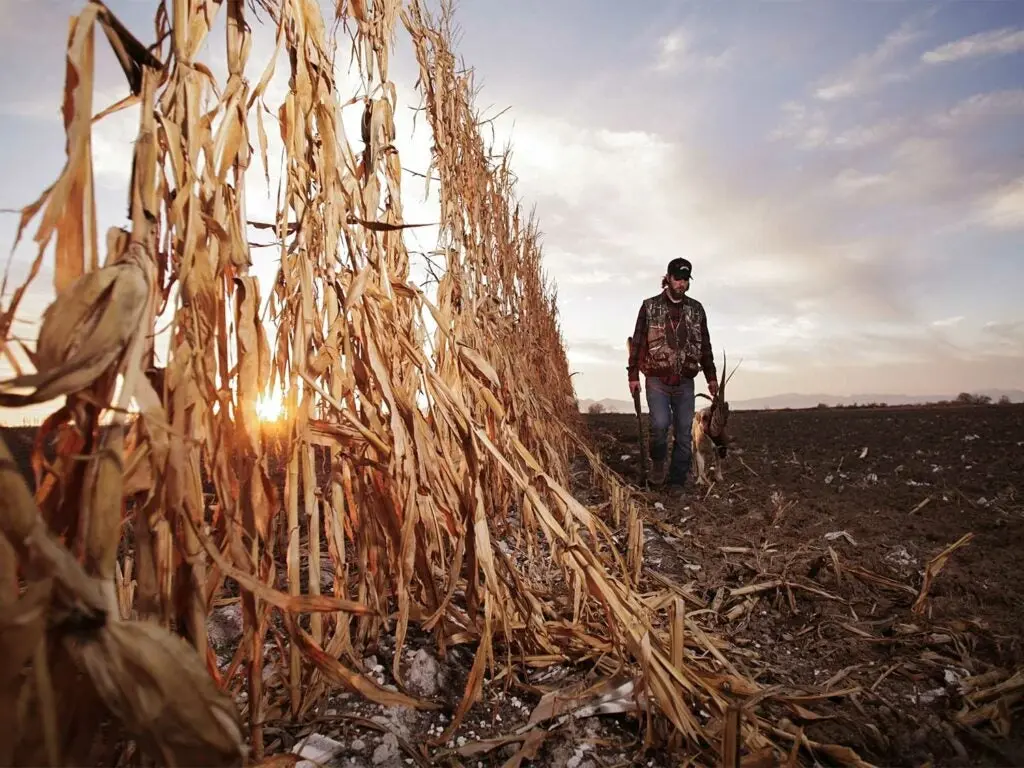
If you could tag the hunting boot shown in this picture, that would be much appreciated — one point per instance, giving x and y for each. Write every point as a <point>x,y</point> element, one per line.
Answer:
<point>659,469</point>
<point>679,465</point>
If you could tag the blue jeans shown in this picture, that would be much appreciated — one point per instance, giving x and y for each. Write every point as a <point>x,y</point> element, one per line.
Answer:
<point>668,406</point>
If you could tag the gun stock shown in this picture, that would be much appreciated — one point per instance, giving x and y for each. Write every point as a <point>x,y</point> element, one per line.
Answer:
<point>639,420</point>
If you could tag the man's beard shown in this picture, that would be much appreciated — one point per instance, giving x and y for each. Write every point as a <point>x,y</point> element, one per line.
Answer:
<point>674,294</point>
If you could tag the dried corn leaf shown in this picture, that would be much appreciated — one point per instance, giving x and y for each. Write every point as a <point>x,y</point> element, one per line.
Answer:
<point>935,565</point>
<point>85,330</point>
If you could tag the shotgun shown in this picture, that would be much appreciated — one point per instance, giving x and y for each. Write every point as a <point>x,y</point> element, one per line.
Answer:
<point>639,420</point>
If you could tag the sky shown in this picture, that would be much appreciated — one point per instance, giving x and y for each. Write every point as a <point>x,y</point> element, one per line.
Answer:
<point>846,177</point>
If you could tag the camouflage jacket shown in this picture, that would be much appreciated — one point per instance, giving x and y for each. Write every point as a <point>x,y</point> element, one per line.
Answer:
<point>671,341</point>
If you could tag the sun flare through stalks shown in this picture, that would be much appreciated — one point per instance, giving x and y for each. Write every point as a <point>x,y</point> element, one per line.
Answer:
<point>416,431</point>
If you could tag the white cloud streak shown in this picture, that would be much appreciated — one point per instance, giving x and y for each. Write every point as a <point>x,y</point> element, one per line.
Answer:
<point>871,70</point>
<point>980,107</point>
<point>1003,209</point>
<point>676,53</point>
<point>810,127</point>
<point>995,42</point>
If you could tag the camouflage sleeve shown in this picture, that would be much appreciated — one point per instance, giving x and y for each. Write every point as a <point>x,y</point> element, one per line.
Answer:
<point>707,361</point>
<point>639,343</point>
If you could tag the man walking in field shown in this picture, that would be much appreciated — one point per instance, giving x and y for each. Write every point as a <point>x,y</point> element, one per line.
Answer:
<point>671,344</point>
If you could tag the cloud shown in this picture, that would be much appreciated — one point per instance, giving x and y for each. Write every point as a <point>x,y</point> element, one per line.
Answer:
<point>999,341</point>
<point>927,153</point>
<point>864,136</point>
<point>950,343</point>
<point>873,69</point>
<point>589,278</point>
<point>811,262</point>
<point>595,188</point>
<point>851,182</point>
<point>995,42</point>
<point>881,358</point>
<point>775,330</point>
<point>932,181</point>
<point>817,265</point>
<point>1003,208</point>
<point>980,107</point>
<point>615,206</point>
<point>919,170</point>
<point>808,127</point>
<point>1003,332</point>
<point>113,144</point>
<point>31,109</point>
<point>676,53</point>
<point>588,351</point>
<point>942,170</point>
<point>812,128</point>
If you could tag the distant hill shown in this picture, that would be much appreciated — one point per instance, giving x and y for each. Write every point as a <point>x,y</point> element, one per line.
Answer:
<point>795,400</point>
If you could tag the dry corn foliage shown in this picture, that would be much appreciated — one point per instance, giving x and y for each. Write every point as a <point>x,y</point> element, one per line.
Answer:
<point>443,436</point>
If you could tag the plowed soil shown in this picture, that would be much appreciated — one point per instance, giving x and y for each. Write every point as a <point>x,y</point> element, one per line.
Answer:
<point>833,499</point>
<point>805,563</point>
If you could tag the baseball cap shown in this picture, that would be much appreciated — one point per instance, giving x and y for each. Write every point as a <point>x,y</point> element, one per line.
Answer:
<point>679,269</point>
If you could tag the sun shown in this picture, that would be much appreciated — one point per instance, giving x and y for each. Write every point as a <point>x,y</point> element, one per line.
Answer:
<point>270,407</point>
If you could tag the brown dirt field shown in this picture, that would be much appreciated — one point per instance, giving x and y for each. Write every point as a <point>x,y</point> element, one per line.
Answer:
<point>890,681</point>
<point>799,476</point>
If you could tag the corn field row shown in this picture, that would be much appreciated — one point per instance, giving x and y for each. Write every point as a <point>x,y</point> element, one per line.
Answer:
<point>443,435</point>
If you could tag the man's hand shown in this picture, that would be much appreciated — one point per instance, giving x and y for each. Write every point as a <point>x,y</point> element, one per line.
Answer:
<point>634,387</point>
<point>712,387</point>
